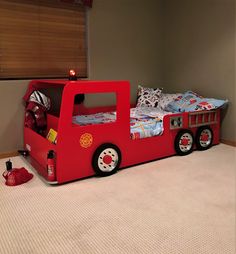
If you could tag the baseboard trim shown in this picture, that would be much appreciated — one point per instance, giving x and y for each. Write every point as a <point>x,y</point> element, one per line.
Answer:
<point>8,155</point>
<point>228,142</point>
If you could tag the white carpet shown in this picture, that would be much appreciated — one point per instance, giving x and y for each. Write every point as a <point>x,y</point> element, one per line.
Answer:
<point>177,205</point>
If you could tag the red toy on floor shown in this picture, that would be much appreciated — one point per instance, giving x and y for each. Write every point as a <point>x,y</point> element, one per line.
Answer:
<point>16,176</point>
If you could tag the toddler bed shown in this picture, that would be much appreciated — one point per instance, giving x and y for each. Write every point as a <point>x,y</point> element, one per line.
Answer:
<point>103,140</point>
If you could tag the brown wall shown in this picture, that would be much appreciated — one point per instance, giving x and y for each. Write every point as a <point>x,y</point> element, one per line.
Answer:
<point>199,52</point>
<point>125,40</point>
<point>11,113</point>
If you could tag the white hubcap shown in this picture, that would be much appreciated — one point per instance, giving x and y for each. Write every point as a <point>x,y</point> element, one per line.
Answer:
<point>108,159</point>
<point>186,142</point>
<point>205,138</point>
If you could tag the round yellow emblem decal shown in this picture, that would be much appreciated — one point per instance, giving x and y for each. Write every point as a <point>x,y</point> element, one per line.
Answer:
<point>86,140</point>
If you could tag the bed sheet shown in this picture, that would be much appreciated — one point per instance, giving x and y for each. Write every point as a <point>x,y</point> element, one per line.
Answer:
<point>144,121</point>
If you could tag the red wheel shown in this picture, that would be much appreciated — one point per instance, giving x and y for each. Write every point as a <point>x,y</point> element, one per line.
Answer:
<point>184,142</point>
<point>106,159</point>
<point>204,138</point>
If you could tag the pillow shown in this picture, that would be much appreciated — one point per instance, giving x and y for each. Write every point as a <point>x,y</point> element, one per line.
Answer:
<point>166,98</point>
<point>190,101</point>
<point>148,97</point>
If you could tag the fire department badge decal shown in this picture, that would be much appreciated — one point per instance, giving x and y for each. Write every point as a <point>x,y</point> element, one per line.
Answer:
<point>86,140</point>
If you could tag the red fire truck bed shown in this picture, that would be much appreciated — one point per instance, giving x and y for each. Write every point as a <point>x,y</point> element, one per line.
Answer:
<point>83,151</point>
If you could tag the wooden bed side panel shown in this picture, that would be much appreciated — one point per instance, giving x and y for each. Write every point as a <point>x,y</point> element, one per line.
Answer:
<point>156,147</point>
<point>216,129</point>
<point>74,161</point>
<point>38,148</point>
<point>52,122</point>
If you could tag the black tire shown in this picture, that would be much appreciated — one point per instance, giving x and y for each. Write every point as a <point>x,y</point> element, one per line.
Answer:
<point>184,142</point>
<point>106,159</point>
<point>204,138</point>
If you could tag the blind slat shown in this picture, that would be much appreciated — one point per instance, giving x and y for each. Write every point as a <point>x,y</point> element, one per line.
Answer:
<point>41,39</point>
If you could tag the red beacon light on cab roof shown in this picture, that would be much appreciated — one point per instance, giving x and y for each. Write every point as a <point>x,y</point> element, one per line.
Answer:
<point>72,75</point>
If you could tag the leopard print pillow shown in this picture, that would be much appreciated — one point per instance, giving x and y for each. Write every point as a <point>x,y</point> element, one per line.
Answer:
<point>148,97</point>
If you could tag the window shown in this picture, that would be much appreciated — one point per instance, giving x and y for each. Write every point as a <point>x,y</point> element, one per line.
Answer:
<point>93,115</point>
<point>42,39</point>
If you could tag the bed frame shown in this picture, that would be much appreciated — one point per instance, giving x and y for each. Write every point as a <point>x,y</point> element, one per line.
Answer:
<point>79,149</point>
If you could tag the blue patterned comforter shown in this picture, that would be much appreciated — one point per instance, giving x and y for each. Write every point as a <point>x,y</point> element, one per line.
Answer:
<point>144,121</point>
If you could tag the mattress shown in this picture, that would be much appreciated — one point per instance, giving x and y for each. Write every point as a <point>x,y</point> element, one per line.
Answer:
<point>144,121</point>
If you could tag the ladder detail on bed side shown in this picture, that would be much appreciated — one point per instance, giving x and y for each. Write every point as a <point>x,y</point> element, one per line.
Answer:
<point>197,119</point>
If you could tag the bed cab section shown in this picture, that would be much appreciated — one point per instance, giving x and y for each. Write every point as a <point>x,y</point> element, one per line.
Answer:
<point>75,145</point>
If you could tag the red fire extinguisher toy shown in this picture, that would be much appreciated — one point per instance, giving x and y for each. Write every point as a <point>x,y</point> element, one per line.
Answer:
<point>51,166</point>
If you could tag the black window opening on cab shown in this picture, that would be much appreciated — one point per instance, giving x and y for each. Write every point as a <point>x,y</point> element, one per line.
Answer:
<point>94,108</point>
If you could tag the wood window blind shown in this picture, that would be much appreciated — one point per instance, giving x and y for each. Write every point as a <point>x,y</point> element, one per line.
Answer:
<point>42,39</point>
